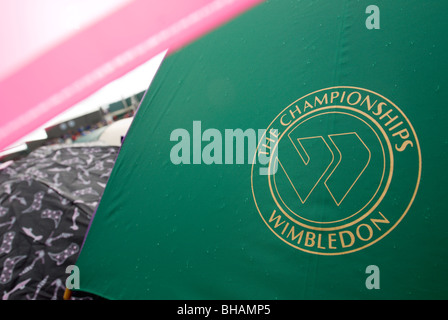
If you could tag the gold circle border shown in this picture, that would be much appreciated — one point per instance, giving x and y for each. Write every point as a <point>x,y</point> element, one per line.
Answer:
<point>405,211</point>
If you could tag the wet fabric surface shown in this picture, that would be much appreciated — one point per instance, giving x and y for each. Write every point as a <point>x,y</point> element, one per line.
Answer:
<point>46,203</point>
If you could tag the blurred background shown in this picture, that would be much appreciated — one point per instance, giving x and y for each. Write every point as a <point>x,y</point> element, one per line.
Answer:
<point>29,30</point>
<point>88,120</point>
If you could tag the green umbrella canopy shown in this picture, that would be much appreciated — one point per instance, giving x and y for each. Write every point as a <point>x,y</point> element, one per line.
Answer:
<point>349,173</point>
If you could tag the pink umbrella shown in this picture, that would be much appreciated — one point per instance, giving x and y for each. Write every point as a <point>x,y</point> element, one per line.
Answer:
<point>54,53</point>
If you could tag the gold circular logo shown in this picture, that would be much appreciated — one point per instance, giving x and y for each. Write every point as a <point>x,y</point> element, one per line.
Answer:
<point>343,168</point>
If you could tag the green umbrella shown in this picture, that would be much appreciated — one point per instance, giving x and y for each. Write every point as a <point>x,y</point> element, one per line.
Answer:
<point>295,153</point>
